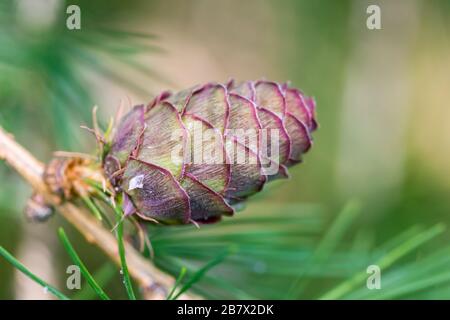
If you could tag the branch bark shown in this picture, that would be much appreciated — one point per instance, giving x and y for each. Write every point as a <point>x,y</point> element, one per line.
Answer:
<point>154,282</point>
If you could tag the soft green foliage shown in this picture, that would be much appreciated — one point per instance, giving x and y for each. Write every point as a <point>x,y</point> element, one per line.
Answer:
<point>264,262</point>
<point>385,262</point>
<point>44,73</point>
<point>256,251</point>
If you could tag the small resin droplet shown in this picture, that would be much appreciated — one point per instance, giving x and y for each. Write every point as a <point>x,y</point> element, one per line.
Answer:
<point>136,182</point>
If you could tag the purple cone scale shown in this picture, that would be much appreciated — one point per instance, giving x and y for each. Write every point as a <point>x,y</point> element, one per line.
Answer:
<point>191,156</point>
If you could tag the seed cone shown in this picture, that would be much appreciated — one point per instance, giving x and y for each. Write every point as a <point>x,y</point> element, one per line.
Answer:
<point>150,158</point>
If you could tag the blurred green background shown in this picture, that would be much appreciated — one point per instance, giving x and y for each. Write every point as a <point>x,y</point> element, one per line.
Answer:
<point>379,169</point>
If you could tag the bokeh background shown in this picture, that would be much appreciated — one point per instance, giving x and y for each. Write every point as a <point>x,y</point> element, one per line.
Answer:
<point>377,176</point>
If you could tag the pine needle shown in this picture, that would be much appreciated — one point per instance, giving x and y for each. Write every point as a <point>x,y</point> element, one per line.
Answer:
<point>123,262</point>
<point>76,259</point>
<point>16,263</point>
<point>384,262</point>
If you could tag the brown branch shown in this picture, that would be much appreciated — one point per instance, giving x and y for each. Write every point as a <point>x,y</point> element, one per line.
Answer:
<point>154,282</point>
